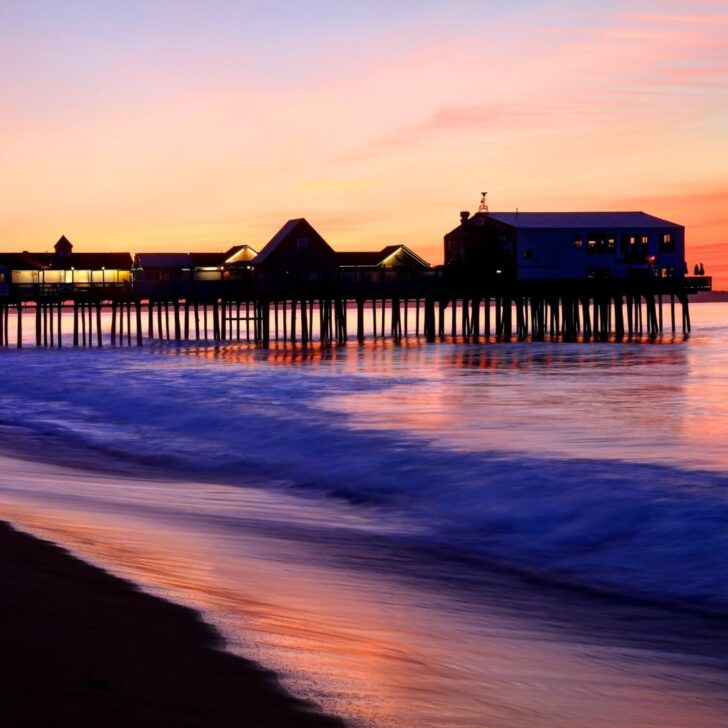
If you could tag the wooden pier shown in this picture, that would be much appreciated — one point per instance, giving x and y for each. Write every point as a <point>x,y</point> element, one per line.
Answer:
<point>429,306</point>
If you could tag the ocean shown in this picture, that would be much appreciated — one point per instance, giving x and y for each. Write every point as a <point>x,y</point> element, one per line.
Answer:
<point>410,534</point>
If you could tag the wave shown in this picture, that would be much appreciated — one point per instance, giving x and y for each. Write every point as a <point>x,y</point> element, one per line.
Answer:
<point>638,529</point>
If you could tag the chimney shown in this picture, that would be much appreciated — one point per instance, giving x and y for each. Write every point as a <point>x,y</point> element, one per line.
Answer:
<point>464,215</point>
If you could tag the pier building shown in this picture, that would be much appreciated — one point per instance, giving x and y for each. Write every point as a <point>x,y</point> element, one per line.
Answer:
<point>566,245</point>
<point>65,269</point>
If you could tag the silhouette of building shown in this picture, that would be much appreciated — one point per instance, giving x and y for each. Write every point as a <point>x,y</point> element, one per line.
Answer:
<point>565,245</point>
<point>295,252</point>
<point>163,267</point>
<point>393,256</point>
<point>63,267</point>
<point>233,263</point>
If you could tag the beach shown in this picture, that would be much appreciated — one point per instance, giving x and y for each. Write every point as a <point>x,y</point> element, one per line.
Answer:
<point>84,648</point>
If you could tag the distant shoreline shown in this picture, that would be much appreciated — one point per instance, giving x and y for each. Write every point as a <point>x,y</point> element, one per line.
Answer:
<point>709,297</point>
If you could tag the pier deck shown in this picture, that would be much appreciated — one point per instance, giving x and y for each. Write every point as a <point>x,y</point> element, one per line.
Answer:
<point>430,305</point>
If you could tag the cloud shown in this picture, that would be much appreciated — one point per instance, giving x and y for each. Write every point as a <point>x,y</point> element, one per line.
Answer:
<point>452,119</point>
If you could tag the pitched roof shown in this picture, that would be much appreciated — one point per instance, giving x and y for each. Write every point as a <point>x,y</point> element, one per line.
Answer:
<point>374,259</point>
<point>578,219</point>
<point>240,254</point>
<point>282,235</point>
<point>395,249</point>
<point>277,239</point>
<point>63,244</point>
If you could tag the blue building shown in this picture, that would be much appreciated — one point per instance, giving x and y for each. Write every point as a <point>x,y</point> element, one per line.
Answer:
<point>565,245</point>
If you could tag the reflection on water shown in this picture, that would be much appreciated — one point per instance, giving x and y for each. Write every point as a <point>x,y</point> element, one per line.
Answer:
<point>388,606</point>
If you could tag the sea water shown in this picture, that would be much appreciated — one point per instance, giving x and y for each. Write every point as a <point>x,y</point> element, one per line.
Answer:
<point>459,533</point>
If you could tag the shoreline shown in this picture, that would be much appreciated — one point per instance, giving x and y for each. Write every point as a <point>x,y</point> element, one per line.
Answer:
<point>85,648</point>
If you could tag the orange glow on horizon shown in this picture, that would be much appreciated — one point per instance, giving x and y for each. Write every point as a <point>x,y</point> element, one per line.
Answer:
<point>184,135</point>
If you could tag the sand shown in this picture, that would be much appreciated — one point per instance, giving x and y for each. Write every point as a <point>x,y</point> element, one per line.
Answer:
<point>83,648</point>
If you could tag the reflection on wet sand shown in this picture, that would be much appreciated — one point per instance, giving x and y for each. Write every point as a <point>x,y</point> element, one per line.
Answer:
<point>380,636</point>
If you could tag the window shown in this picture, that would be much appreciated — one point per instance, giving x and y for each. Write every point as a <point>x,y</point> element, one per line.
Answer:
<point>578,243</point>
<point>644,245</point>
<point>628,246</point>
<point>667,243</point>
<point>302,244</point>
<point>601,244</point>
<point>528,253</point>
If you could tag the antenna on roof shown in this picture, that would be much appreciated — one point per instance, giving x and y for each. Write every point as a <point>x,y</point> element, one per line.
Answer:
<point>483,203</point>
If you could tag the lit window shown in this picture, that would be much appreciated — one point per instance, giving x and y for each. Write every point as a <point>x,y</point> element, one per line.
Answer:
<point>578,243</point>
<point>667,244</point>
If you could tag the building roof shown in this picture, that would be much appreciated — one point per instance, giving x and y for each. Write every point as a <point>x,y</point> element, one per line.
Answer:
<point>21,261</point>
<point>375,259</point>
<point>325,250</point>
<point>164,260</point>
<point>82,261</point>
<point>391,250</point>
<point>359,259</point>
<point>277,239</point>
<point>63,245</point>
<point>240,254</point>
<point>578,220</point>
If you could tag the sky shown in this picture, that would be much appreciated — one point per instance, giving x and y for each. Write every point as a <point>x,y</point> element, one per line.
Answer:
<point>156,125</point>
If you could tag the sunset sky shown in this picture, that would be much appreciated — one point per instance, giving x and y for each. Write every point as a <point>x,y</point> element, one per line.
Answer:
<point>161,125</point>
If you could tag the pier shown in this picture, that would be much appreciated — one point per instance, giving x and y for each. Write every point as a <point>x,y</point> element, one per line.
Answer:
<point>506,277</point>
<point>431,305</point>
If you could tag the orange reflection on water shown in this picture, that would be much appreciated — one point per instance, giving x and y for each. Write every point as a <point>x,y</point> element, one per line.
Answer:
<point>380,652</point>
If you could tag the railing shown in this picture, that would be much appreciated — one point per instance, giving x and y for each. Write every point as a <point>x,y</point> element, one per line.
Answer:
<point>693,284</point>
<point>39,290</point>
<point>352,284</point>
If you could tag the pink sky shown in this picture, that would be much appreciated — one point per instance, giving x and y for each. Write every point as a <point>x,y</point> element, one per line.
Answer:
<point>165,126</point>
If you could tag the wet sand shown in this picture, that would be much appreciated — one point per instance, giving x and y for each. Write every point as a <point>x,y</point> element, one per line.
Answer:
<point>81,647</point>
